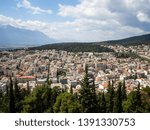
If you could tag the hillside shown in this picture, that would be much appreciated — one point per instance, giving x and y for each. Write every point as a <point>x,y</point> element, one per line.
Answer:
<point>74,47</point>
<point>136,40</point>
<point>95,46</point>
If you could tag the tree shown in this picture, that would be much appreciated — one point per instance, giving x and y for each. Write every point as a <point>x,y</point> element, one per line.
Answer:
<point>146,99</point>
<point>110,97</point>
<point>35,101</point>
<point>124,94</point>
<point>138,101</point>
<point>103,104</point>
<point>66,103</point>
<point>133,103</point>
<point>118,100</point>
<point>87,95</point>
<point>11,97</point>
<point>17,96</point>
<point>99,101</point>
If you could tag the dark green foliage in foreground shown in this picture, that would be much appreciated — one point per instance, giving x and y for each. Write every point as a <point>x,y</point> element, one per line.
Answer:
<point>110,95</point>
<point>47,99</point>
<point>67,103</point>
<point>124,93</point>
<point>103,104</point>
<point>11,97</point>
<point>118,99</point>
<point>88,97</point>
<point>74,47</point>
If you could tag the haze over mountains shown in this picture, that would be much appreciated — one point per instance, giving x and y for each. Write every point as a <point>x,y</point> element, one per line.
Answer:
<point>16,37</point>
<point>11,37</point>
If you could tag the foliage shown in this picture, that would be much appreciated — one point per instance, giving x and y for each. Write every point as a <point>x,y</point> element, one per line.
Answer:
<point>118,99</point>
<point>88,97</point>
<point>74,47</point>
<point>66,103</point>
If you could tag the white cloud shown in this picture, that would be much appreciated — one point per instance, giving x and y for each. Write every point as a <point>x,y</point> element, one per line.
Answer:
<point>35,10</point>
<point>143,17</point>
<point>93,20</point>
<point>107,19</point>
<point>87,8</point>
<point>78,30</point>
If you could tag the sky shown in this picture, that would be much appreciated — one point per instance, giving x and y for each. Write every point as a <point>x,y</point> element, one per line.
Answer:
<point>79,20</point>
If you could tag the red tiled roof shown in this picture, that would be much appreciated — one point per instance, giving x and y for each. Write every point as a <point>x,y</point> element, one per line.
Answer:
<point>27,77</point>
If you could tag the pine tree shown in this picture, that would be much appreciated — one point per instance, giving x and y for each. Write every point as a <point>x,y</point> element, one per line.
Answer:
<point>111,97</point>
<point>11,97</point>
<point>88,96</point>
<point>103,104</point>
<point>99,101</point>
<point>118,100</point>
<point>18,96</point>
<point>138,100</point>
<point>124,94</point>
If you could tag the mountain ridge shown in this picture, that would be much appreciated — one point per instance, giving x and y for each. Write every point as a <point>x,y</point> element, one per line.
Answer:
<point>16,37</point>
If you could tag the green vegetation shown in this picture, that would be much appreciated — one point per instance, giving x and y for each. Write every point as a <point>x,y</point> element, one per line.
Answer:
<point>74,47</point>
<point>47,99</point>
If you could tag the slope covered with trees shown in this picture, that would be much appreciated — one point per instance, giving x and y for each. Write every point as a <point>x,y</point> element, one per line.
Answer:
<point>74,47</point>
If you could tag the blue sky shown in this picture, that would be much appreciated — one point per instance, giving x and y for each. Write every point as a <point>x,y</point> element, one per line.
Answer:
<point>78,20</point>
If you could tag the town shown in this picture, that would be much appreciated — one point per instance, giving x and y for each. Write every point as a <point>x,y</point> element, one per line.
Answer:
<point>65,69</point>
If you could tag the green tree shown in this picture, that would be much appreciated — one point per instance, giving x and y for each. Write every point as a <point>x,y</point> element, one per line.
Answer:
<point>11,97</point>
<point>146,99</point>
<point>87,95</point>
<point>17,96</point>
<point>134,103</point>
<point>110,93</point>
<point>124,93</point>
<point>66,103</point>
<point>118,100</point>
<point>34,102</point>
<point>99,98</point>
<point>103,104</point>
<point>138,100</point>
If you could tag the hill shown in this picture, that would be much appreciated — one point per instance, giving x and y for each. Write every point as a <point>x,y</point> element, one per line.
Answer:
<point>136,40</point>
<point>74,47</point>
<point>95,46</point>
<point>16,37</point>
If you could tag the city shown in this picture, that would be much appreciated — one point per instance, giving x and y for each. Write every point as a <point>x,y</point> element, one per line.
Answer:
<point>66,69</point>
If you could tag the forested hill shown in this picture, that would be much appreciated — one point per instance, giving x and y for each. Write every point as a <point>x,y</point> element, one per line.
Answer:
<point>136,40</point>
<point>74,47</point>
<point>95,46</point>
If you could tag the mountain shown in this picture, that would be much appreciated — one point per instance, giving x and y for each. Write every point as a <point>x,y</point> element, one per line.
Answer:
<point>16,37</point>
<point>136,40</point>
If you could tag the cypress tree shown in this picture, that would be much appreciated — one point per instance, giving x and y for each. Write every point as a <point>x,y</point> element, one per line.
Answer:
<point>103,104</point>
<point>118,100</point>
<point>138,100</point>
<point>87,95</point>
<point>124,94</point>
<point>99,101</point>
<point>17,95</point>
<point>111,97</point>
<point>11,97</point>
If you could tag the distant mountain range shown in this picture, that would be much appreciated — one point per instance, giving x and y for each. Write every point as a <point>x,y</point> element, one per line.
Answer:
<point>16,37</point>
<point>12,37</point>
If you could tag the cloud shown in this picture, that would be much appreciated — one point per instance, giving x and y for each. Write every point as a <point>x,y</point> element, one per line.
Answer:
<point>77,30</point>
<point>107,19</point>
<point>35,10</point>
<point>93,20</point>
<point>143,17</point>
